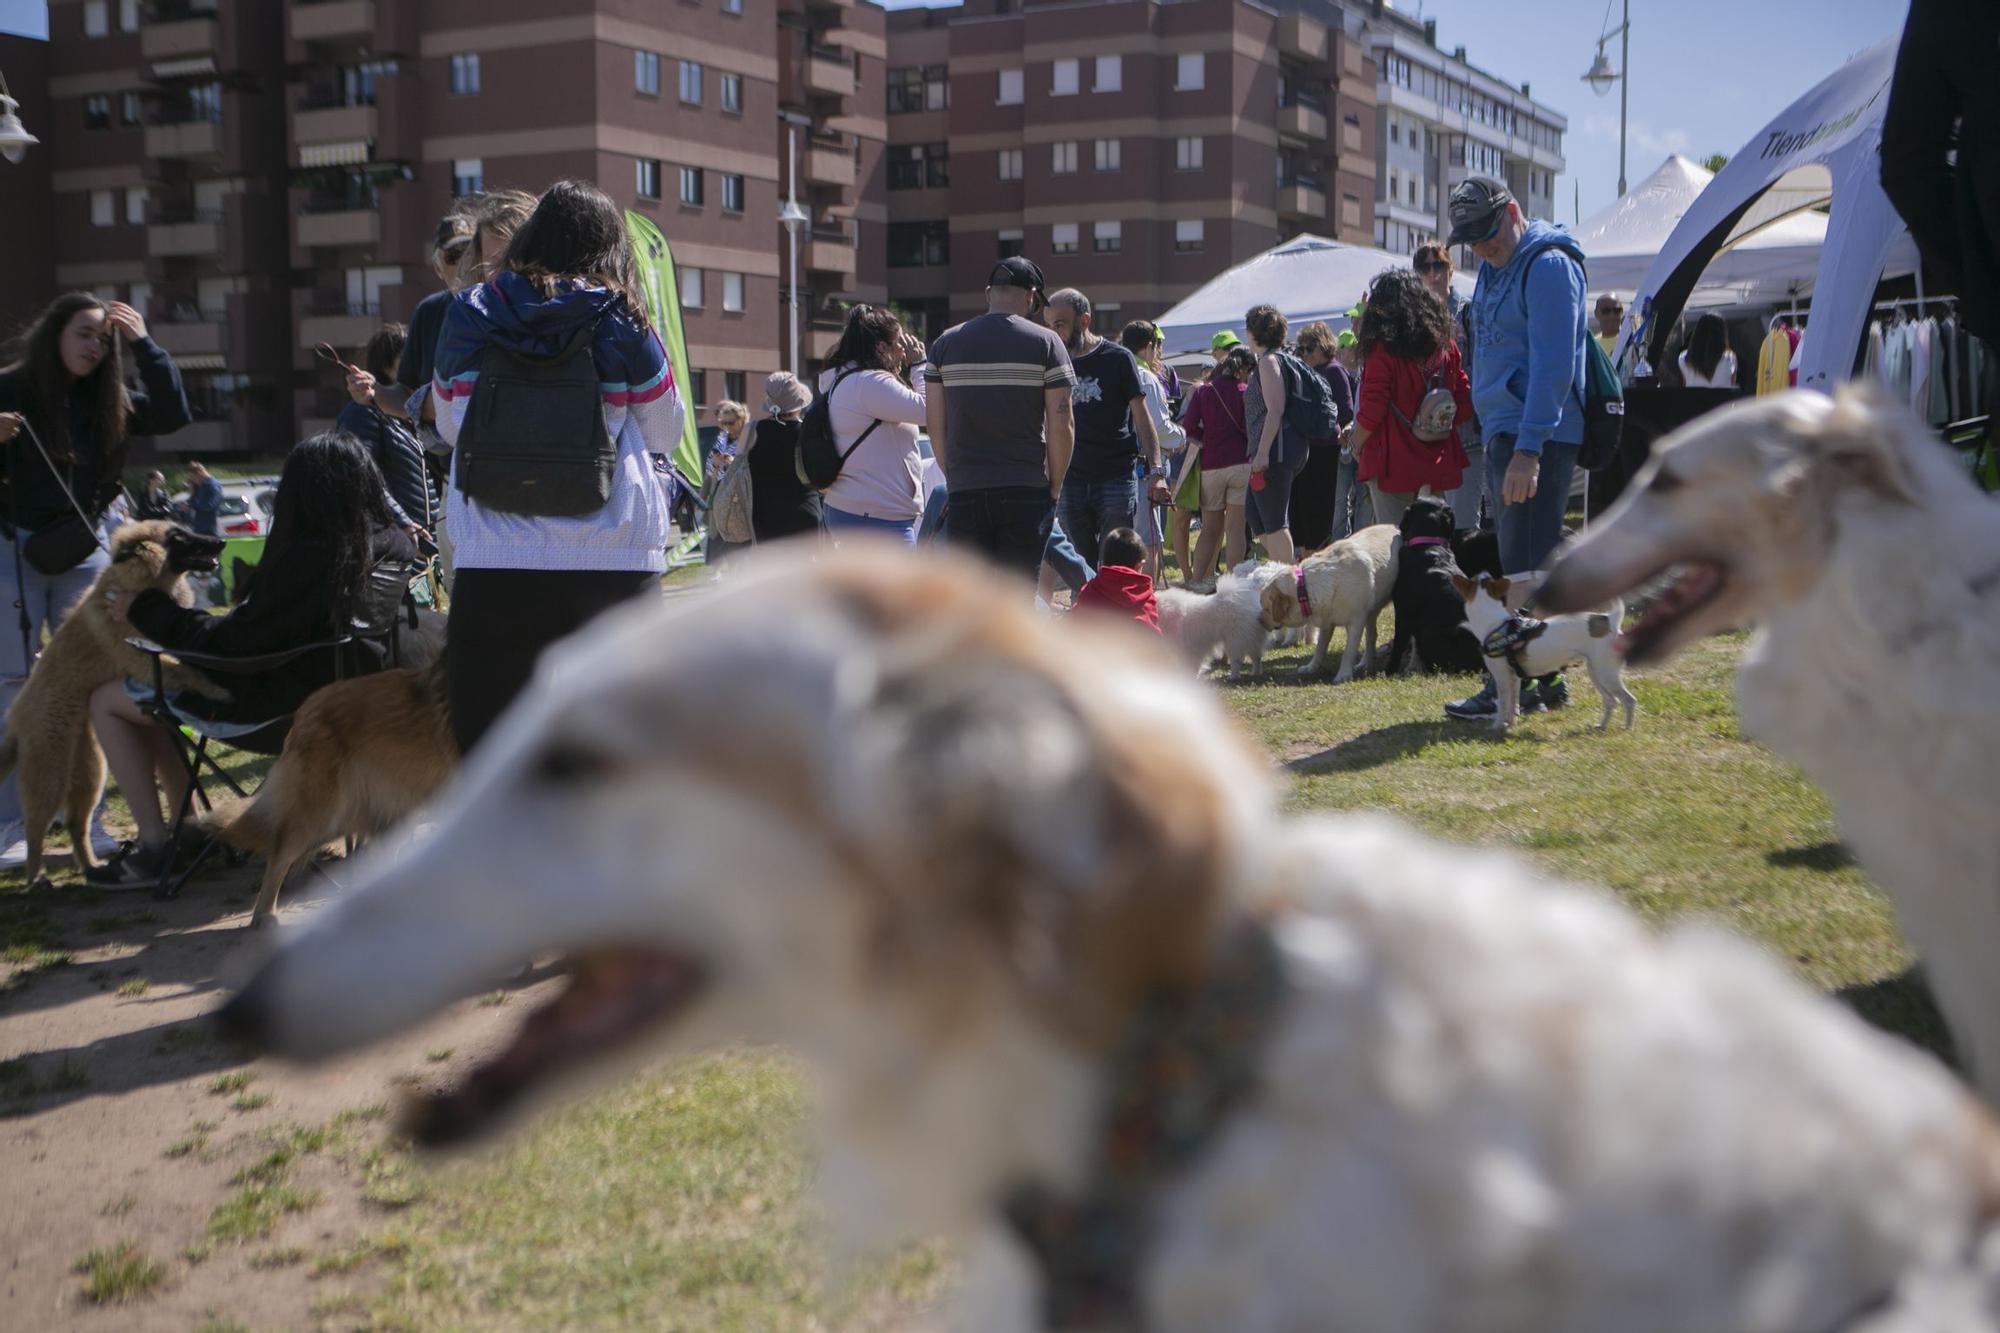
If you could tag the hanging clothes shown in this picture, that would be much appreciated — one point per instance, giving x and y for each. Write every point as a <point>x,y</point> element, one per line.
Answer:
<point>1871,361</point>
<point>1773,359</point>
<point>1795,336</point>
<point>1938,410</point>
<point>1896,361</point>
<point>1921,333</point>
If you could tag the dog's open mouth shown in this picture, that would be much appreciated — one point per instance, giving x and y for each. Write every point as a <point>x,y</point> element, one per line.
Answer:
<point>612,996</point>
<point>1697,585</point>
<point>200,562</point>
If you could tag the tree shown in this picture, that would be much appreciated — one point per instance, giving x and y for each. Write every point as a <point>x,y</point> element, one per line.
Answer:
<point>1715,162</point>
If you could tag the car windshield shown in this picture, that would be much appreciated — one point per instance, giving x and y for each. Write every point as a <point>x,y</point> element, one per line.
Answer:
<point>233,505</point>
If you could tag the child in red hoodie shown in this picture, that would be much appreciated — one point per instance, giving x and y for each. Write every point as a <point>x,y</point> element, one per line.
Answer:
<point>1121,585</point>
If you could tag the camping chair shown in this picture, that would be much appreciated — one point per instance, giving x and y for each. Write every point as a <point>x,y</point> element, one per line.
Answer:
<point>385,602</point>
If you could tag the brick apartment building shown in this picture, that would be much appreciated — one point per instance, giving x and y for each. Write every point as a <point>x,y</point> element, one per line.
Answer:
<point>1133,148</point>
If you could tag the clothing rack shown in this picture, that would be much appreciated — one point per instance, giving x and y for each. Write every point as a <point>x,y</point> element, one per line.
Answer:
<point>1918,301</point>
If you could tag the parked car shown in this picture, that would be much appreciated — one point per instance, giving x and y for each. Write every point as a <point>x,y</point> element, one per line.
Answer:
<point>247,507</point>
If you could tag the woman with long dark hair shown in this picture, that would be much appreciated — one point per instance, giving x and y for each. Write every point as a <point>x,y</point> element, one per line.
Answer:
<point>331,526</point>
<point>526,579</point>
<point>68,391</point>
<point>1409,349</point>
<point>1708,363</point>
<point>878,370</point>
<point>390,440</point>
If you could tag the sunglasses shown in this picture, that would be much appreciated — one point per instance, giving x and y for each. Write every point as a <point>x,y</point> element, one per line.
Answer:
<point>1432,266</point>
<point>1611,310</point>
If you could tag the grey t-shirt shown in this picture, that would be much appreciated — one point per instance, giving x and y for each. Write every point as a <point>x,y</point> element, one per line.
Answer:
<point>995,370</point>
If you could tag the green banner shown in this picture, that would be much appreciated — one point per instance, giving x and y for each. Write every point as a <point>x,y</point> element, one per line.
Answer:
<point>663,300</point>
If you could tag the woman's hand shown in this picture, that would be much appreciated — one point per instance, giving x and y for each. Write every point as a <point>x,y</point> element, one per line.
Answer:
<point>126,320</point>
<point>911,349</point>
<point>10,426</point>
<point>361,386</point>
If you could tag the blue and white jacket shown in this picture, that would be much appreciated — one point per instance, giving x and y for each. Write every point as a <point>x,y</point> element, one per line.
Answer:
<point>642,411</point>
<point>1529,321</point>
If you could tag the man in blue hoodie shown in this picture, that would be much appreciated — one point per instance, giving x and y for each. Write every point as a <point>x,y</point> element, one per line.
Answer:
<point>1529,320</point>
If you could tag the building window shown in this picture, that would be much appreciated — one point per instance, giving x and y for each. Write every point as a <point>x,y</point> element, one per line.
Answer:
<point>135,208</point>
<point>97,111</point>
<point>734,386</point>
<point>96,18</point>
<point>919,244</point>
<point>691,288</point>
<point>732,194</point>
<point>103,207</point>
<point>1107,238</point>
<point>732,293</point>
<point>1063,79</point>
<point>468,176</point>
<point>1062,238</point>
<point>698,383</point>
<point>649,178</point>
<point>691,187</point>
<point>1187,154</point>
<point>1350,211</point>
<point>465,74</point>
<point>128,109</point>
<point>1188,72</point>
<point>919,88</point>
<point>732,6</point>
<point>1063,158</point>
<point>1187,234</point>
<point>1011,82</point>
<point>646,73</point>
<point>1395,131</point>
<point>690,83</point>
<point>128,21</point>
<point>1010,164</point>
<point>1011,243</point>
<point>1109,75</point>
<point>1109,154</point>
<point>732,93</point>
<point>919,166</point>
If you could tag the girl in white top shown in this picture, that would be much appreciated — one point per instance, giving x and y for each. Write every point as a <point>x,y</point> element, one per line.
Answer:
<point>1708,363</point>
<point>881,485</point>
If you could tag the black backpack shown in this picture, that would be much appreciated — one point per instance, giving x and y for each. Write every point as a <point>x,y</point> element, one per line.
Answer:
<point>1309,406</point>
<point>820,458</point>
<point>534,440</point>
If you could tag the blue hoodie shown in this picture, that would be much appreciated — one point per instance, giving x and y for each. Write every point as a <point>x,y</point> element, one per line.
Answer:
<point>1528,362</point>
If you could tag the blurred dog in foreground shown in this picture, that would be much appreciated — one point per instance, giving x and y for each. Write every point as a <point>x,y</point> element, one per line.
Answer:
<point>1031,908</point>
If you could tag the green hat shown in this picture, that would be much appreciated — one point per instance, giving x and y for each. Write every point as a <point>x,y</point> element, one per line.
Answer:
<point>1345,338</point>
<point>1222,340</point>
<point>1354,311</point>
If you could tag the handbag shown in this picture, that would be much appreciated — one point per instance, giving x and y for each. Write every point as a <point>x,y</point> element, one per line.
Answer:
<point>1436,414</point>
<point>730,508</point>
<point>1187,495</point>
<point>61,544</point>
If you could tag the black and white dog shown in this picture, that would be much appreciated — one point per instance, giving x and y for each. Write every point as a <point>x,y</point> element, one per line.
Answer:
<point>1430,614</point>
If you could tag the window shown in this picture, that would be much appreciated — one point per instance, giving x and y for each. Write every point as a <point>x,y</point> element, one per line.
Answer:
<point>1063,78</point>
<point>690,83</point>
<point>732,194</point>
<point>1187,154</point>
<point>1062,238</point>
<point>1011,243</point>
<point>691,186</point>
<point>732,93</point>
<point>1064,158</point>
<point>1187,234</point>
<point>1108,154</point>
<point>97,112</point>
<point>128,109</point>
<point>646,73</point>
<point>465,74</point>
<point>141,298</point>
<point>135,208</point>
<point>1188,71</point>
<point>468,176</point>
<point>1107,238</point>
<point>649,178</point>
<point>919,88</point>
<point>1010,164</point>
<point>96,18</point>
<point>732,6</point>
<point>103,208</point>
<point>128,21</point>
<point>691,288</point>
<point>1011,82</point>
<point>919,166</point>
<point>1110,75</point>
<point>919,244</point>
<point>698,382</point>
<point>733,386</point>
<point>732,293</point>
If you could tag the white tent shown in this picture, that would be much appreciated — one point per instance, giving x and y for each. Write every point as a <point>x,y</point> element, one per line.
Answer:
<point>1822,149</point>
<point>1307,278</point>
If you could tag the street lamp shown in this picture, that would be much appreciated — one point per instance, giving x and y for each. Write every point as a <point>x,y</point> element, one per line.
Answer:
<point>1601,76</point>
<point>14,137</point>
<point>793,216</point>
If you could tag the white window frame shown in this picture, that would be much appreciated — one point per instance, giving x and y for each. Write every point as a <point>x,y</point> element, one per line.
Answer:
<point>103,208</point>
<point>1062,157</point>
<point>691,176</point>
<point>731,93</point>
<point>647,177</point>
<point>1109,75</point>
<point>1013,83</point>
<point>1183,67</point>
<point>732,293</point>
<point>1065,78</point>
<point>465,74</point>
<point>692,295</point>
<point>689,80</point>
<point>97,18</point>
<point>1107,238</point>
<point>1109,154</point>
<point>1189,234</point>
<point>732,6</point>
<point>1014,234</point>
<point>135,208</point>
<point>646,73</point>
<point>465,169</point>
<point>733,184</point>
<point>1010,163</point>
<point>1064,238</point>
<point>1188,153</point>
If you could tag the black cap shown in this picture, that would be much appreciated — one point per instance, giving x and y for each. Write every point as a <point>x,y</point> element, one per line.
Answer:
<point>1014,271</point>
<point>1475,209</point>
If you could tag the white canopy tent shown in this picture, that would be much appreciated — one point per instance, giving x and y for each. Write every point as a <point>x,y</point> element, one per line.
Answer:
<point>1823,149</point>
<point>1307,278</point>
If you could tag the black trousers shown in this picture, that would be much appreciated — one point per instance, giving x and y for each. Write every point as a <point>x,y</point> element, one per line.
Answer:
<point>502,619</point>
<point>1009,525</point>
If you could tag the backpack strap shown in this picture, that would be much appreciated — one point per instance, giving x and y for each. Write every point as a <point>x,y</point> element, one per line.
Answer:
<point>860,439</point>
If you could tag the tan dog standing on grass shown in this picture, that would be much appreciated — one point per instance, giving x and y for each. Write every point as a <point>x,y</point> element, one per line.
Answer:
<point>49,744</point>
<point>1344,586</point>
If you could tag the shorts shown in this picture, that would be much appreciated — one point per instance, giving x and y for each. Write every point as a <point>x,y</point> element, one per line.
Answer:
<point>1225,488</point>
<point>1271,508</point>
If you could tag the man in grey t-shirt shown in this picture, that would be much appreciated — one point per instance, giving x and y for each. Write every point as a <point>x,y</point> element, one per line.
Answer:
<point>998,404</point>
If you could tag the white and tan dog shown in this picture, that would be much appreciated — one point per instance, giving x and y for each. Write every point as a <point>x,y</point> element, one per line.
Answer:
<point>1871,566</point>
<point>1232,618</point>
<point>1344,586</point>
<point>1589,637</point>
<point>963,860</point>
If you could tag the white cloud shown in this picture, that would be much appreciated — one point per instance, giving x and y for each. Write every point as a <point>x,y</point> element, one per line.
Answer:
<point>1641,138</point>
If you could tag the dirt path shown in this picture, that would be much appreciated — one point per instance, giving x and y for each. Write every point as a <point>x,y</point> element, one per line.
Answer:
<point>122,1119</point>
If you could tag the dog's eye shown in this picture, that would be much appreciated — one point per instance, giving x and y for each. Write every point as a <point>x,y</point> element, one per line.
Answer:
<point>567,761</point>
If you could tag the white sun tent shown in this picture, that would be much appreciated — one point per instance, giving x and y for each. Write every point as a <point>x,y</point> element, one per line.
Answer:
<point>1822,149</point>
<point>1308,278</point>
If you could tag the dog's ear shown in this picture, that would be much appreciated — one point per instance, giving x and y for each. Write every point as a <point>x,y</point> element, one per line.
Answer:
<point>1861,446</point>
<point>1464,586</point>
<point>1498,588</point>
<point>1449,516</point>
<point>1275,602</point>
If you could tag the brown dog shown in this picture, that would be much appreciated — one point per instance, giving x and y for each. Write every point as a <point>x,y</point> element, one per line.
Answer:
<point>49,740</point>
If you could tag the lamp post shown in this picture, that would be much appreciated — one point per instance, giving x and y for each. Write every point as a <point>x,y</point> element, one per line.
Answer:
<point>1601,76</point>
<point>793,216</point>
<point>14,137</point>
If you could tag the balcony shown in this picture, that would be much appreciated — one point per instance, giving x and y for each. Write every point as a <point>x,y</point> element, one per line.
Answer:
<point>342,324</point>
<point>828,72</point>
<point>820,343</point>
<point>830,250</point>
<point>184,139</point>
<point>195,234</point>
<point>189,332</point>
<point>1302,38</point>
<point>1303,118</point>
<point>178,31</point>
<point>829,164</point>
<point>337,225</point>
<point>331,20</point>
<point>335,124</point>
<point>1302,198</point>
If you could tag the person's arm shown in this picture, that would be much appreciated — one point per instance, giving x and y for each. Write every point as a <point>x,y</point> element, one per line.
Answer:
<point>934,419</point>
<point>1060,429</point>
<point>1343,395</point>
<point>655,406</point>
<point>1555,298</point>
<point>159,404</point>
<point>1374,404</point>
<point>1171,437</point>
<point>1271,383</point>
<point>1918,130</point>
<point>883,397</point>
<point>452,379</point>
<point>1194,414</point>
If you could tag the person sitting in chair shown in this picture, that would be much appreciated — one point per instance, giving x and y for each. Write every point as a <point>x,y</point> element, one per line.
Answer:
<point>330,528</point>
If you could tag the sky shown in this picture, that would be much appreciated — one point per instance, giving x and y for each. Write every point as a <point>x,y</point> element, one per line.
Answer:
<point>1706,74</point>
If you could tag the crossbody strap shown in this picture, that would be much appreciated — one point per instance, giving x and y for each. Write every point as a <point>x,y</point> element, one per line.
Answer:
<point>863,436</point>
<point>68,485</point>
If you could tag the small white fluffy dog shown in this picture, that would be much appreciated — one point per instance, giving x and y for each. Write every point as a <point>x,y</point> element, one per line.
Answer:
<point>1871,565</point>
<point>1589,637</point>
<point>1346,587</point>
<point>963,859</point>
<point>1232,618</point>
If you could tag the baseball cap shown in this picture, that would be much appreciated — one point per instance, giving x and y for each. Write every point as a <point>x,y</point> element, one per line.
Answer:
<point>1345,338</point>
<point>1476,206</point>
<point>1014,271</point>
<point>1224,339</point>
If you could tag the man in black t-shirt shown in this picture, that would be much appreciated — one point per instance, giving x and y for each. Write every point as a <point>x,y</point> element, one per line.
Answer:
<point>1113,429</point>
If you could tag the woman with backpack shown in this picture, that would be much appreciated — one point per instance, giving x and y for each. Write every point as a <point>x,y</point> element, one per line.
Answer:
<point>781,503</point>
<point>1276,452</point>
<point>1214,420</point>
<point>1413,395</point>
<point>554,350</point>
<point>875,398</point>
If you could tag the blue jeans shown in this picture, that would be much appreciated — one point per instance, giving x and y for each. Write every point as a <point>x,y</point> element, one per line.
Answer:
<point>1061,555</point>
<point>1353,507</point>
<point>1089,509</point>
<point>841,523</point>
<point>1531,531</point>
<point>1464,500</point>
<point>49,596</point>
<point>1009,525</point>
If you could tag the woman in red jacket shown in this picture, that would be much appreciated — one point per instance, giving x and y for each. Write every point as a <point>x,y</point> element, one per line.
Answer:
<point>1401,450</point>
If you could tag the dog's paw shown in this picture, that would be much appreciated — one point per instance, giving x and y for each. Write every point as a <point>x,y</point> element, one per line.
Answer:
<point>1308,670</point>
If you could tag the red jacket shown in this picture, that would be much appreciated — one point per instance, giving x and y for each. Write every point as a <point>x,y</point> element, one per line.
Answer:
<point>1394,458</point>
<point>1124,592</point>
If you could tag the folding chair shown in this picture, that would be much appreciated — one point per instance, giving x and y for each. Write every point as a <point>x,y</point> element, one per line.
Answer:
<point>385,603</point>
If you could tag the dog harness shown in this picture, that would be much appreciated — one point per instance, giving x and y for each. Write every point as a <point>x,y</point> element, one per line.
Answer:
<point>1305,602</point>
<point>1411,543</point>
<point>1509,637</point>
<point>1187,1061</point>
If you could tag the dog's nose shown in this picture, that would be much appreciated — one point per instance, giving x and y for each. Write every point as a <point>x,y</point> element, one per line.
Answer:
<point>246,1018</point>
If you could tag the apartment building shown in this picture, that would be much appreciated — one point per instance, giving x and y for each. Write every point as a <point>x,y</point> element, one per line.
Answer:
<point>1443,119</point>
<point>1133,148</point>
<point>261,176</point>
